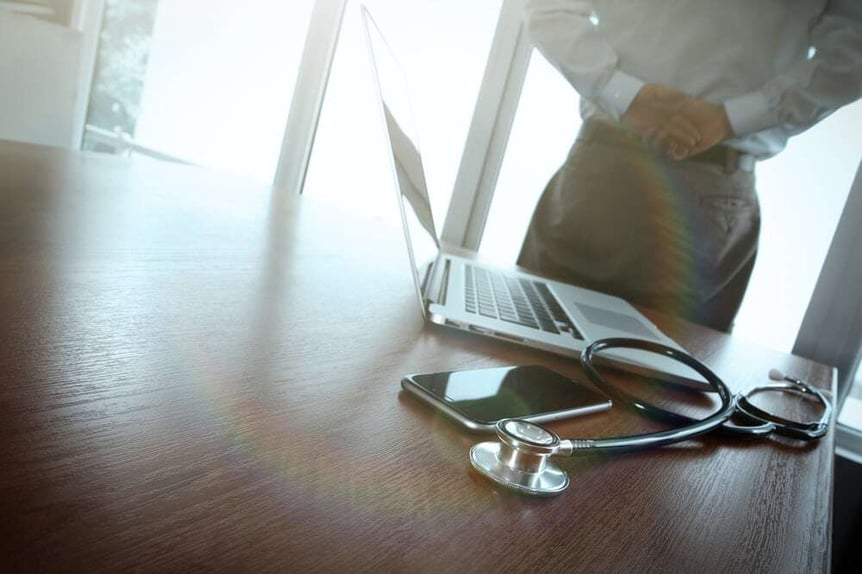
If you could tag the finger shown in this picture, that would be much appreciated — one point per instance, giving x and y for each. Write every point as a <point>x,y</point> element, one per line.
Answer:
<point>680,131</point>
<point>666,141</point>
<point>676,136</point>
<point>685,130</point>
<point>655,136</point>
<point>706,142</point>
<point>660,137</point>
<point>678,152</point>
<point>682,154</point>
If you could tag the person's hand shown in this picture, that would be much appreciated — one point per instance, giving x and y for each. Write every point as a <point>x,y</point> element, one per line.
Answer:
<point>655,115</point>
<point>710,121</point>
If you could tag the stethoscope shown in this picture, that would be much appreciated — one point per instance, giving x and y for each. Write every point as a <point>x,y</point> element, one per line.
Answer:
<point>519,460</point>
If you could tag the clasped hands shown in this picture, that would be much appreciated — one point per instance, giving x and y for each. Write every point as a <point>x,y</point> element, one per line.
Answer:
<point>675,123</point>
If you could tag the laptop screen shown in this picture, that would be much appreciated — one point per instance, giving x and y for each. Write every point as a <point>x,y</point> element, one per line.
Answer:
<point>401,134</point>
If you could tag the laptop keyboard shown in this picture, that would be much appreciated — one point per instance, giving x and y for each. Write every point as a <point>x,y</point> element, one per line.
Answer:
<point>515,300</point>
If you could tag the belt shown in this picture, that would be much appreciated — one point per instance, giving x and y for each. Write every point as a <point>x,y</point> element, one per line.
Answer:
<point>729,158</point>
<point>726,157</point>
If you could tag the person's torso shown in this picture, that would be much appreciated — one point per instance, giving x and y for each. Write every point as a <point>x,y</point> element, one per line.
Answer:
<point>712,49</point>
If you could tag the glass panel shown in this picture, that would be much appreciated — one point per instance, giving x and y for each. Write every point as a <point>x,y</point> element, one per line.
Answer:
<point>802,192</point>
<point>443,47</point>
<point>545,127</point>
<point>218,81</point>
<point>851,412</point>
<point>118,78</point>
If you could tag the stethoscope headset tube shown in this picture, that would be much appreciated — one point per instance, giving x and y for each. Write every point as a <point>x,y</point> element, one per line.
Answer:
<point>811,430</point>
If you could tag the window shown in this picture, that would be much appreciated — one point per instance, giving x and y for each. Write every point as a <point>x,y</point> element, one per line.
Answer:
<point>115,98</point>
<point>545,127</point>
<point>443,47</point>
<point>802,193</point>
<point>851,412</point>
<point>204,81</point>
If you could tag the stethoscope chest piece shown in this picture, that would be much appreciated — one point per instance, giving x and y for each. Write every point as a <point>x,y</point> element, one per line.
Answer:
<point>520,460</point>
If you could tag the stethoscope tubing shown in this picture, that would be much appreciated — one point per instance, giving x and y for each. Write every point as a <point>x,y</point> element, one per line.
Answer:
<point>691,427</point>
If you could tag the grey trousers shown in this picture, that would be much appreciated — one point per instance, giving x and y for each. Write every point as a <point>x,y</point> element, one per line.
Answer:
<point>619,218</point>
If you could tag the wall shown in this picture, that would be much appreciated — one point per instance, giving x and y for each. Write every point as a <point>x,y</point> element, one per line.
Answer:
<point>39,63</point>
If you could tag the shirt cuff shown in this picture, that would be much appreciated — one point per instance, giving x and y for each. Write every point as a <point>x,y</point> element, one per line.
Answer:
<point>749,113</point>
<point>617,95</point>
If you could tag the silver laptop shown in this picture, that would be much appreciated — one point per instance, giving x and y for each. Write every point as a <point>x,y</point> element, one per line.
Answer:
<point>457,291</point>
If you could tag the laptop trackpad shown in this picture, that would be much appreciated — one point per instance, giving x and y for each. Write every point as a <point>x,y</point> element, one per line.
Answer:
<point>616,321</point>
<point>638,361</point>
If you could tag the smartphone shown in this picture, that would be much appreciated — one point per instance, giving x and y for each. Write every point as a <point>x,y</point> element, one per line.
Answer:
<point>479,398</point>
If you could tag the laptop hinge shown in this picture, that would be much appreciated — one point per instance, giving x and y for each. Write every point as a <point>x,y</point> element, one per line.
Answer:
<point>436,285</point>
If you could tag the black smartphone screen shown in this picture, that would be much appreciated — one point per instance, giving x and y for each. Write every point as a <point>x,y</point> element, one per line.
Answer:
<point>485,396</point>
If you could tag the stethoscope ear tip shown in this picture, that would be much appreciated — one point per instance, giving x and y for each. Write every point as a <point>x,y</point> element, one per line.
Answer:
<point>776,375</point>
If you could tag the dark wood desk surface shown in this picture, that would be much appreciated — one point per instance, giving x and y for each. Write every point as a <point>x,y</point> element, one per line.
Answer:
<point>192,377</point>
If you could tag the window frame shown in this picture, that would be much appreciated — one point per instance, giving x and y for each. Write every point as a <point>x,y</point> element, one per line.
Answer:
<point>492,123</point>
<point>831,331</point>
<point>321,42</point>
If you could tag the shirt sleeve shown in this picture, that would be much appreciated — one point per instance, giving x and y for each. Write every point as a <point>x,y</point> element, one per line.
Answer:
<point>564,33</point>
<point>813,88</point>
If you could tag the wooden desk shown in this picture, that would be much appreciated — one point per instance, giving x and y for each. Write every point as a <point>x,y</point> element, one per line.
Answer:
<point>192,377</point>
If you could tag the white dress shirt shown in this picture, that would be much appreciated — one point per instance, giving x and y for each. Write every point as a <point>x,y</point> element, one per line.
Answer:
<point>778,66</point>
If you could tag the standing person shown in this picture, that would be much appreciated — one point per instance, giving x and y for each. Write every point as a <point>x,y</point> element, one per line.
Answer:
<point>656,201</point>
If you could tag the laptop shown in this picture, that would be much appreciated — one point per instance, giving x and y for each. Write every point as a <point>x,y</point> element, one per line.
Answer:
<point>456,290</point>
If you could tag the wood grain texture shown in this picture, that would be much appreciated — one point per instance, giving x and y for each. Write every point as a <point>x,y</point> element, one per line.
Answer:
<point>195,378</point>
